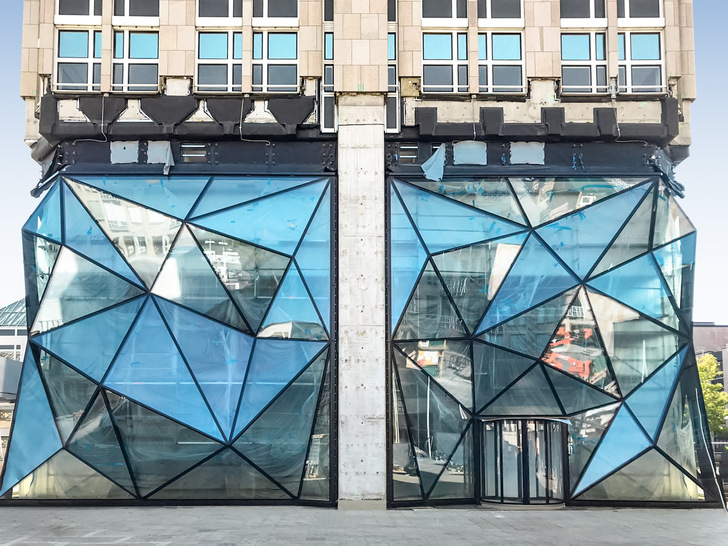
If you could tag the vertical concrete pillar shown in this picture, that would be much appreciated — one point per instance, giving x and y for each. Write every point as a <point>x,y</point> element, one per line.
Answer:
<point>362,355</point>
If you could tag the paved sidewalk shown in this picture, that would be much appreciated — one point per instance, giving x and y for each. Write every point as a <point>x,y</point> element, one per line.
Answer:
<point>291,525</point>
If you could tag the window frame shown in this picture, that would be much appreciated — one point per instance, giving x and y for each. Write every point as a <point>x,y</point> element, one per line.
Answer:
<point>266,22</point>
<point>392,98</point>
<point>501,22</point>
<point>90,60</point>
<point>90,19</point>
<point>229,21</point>
<point>230,61</point>
<point>266,62</point>
<point>127,60</point>
<point>490,63</point>
<point>626,87</point>
<point>133,20</point>
<point>641,22</point>
<point>443,22</point>
<point>586,22</point>
<point>593,64</point>
<point>454,63</point>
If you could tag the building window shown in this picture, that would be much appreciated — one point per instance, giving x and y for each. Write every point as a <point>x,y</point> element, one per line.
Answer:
<point>78,65</point>
<point>327,112</point>
<point>219,66</point>
<point>275,13</point>
<point>219,12</point>
<point>583,9</point>
<point>275,62</point>
<point>584,63</point>
<point>448,13</point>
<point>329,10</point>
<point>445,66</point>
<point>90,8</point>
<point>136,8</point>
<point>392,116</point>
<point>136,61</point>
<point>498,10</point>
<point>640,62</point>
<point>639,9</point>
<point>500,63</point>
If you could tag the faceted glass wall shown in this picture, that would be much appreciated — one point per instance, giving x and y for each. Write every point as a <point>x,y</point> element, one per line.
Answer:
<point>566,298</point>
<point>180,341</point>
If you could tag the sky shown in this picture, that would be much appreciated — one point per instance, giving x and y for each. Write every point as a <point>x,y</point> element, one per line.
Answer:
<point>706,188</point>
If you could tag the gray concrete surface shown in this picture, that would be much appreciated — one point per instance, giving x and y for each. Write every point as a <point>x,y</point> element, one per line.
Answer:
<point>292,525</point>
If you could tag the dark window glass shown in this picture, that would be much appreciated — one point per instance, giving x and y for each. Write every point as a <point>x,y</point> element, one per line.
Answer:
<point>212,75</point>
<point>575,9</point>
<point>646,79</point>
<point>436,75</point>
<point>257,8</point>
<point>391,112</point>
<point>118,74</point>
<point>329,74</point>
<point>257,76</point>
<point>329,112</point>
<point>463,76</point>
<point>391,10</point>
<point>282,8</point>
<point>237,76</point>
<point>507,79</point>
<point>144,75</point>
<point>73,7</point>
<point>329,10</point>
<point>600,10</point>
<point>214,8</point>
<point>97,74</point>
<point>482,10</point>
<point>392,78</point>
<point>119,7</point>
<point>575,76</point>
<point>505,8</point>
<point>620,8</point>
<point>72,73</point>
<point>283,75</point>
<point>97,6</point>
<point>483,76</point>
<point>237,8</point>
<point>462,8</point>
<point>437,8</point>
<point>144,8</point>
<point>644,8</point>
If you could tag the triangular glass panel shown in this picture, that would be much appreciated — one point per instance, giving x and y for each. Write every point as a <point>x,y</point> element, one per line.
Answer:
<point>277,441</point>
<point>585,431</point>
<point>636,346</point>
<point>580,238</point>
<point>82,234</point>
<point>224,476</point>
<point>494,370</point>
<point>639,285</point>
<point>218,358</point>
<point>173,195</point>
<point>68,391</point>
<point>292,314</point>
<point>633,240</point>
<point>677,263</point>
<point>274,364</point>
<point>670,221</point>
<point>430,313</point>
<point>79,288</point>
<point>623,441</point>
<point>276,222</point>
<point>407,258</point>
<point>405,475</point>
<point>445,224</point>
<point>530,395</point>
<point>649,400</point>
<point>251,274</point>
<point>448,362</point>
<point>226,191</point>
<point>46,218</point>
<point>491,195</point>
<point>575,347</point>
<point>96,443</point>
<point>92,354</point>
<point>649,478</point>
<point>456,480</point>
<point>535,277</point>
<point>34,437</point>
<point>574,395</point>
<point>63,476</point>
<point>545,199</point>
<point>436,420</point>
<point>150,370</point>
<point>531,332</point>
<point>188,279</point>
<point>473,274</point>
<point>314,258</point>
<point>158,449</point>
<point>316,477</point>
<point>142,236</point>
<point>39,257</point>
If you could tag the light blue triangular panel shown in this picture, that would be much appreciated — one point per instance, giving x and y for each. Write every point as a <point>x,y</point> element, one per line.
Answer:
<point>46,219</point>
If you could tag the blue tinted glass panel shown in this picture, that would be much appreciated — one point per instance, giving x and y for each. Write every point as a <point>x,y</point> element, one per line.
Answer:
<point>46,219</point>
<point>494,369</point>
<point>600,47</point>
<point>329,45</point>
<point>621,47</point>
<point>670,221</point>
<point>118,45</point>
<point>677,263</point>
<point>645,47</point>
<point>258,45</point>
<point>143,45</point>
<point>437,47</point>
<point>482,47</point>
<point>506,47</point>
<point>575,47</point>
<point>237,45</point>
<point>72,43</point>
<point>213,45</point>
<point>97,44</point>
<point>391,46</point>
<point>282,45</point>
<point>462,47</point>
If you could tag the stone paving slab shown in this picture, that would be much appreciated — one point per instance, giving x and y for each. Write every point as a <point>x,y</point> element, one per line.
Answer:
<point>234,525</point>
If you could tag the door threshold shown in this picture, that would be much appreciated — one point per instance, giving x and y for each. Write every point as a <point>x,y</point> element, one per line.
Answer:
<point>499,507</point>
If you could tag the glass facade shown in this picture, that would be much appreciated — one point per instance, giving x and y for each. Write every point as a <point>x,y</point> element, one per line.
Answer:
<point>519,305</point>
<point>180,341</point>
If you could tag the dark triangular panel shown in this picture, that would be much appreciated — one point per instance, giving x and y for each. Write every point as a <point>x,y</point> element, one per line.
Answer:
<point>575,347</point>
<point>494,369</point>
<point>580,238</point>
<point>251,274</point>
<point>536,269</point>
<point>34,436</point>
<point>407,257</point>
<point>636,346</point>
<point>46,219</point>
<point>187,278</point>
<point>585,431</point>
<point>69,392</point>
<point>448,362</point>
<point>454,482</point>
<point>574,395</point>
<point>96,443</point>
<point>79,288</point>
<point>39,257</point>
<point>677,263</point>
<point>277,441</point>
<point>292,313</point>
<point>63,476</point>
<point>530,395</point>
<point>430,313</point>
<point>317,476</point>
<point>473,274</point>
<point>150,370</point>
<point>648,402</point>
<point>274,364</point>
<point>172,195</point>
<point>224,476</point>
<point>531,332</point>
<point>623,441</point>
<point>445,224</point>
<point>276,222</point>
<point>89,345</point>
<point>218,358</point>
<point>141,235</point>
<point>670,221</point>
<point>158,449</point>
<point>82,234</point>
<point>649,478</point>
<point>405,475</point>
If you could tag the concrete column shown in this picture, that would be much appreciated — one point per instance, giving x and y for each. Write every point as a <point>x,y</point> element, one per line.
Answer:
<point>362,354</point>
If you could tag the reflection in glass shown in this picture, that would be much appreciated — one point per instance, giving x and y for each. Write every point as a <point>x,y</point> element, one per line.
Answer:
<point>46,219</point>
<point>530,395</point>
<point>317,474</point>
<point>670,221</point>
<point>405,475</point>
<point>585,431</point>
<point>495,369</point>
<point>456,482</point>
<point>39,256</point>
<point>677,263</point>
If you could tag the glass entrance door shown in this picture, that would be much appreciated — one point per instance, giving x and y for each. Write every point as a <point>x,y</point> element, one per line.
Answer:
<point>523,461</point>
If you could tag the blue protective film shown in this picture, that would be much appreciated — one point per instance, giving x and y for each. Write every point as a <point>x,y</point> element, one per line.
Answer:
<point>46,218</point>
